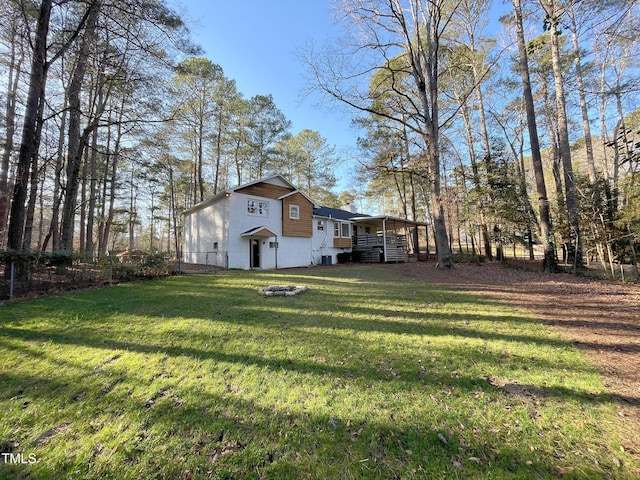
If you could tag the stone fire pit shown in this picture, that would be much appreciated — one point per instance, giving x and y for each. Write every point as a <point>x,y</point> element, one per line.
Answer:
<point>284,290</point>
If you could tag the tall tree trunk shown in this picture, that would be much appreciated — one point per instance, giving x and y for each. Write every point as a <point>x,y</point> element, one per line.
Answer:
<point>93,193</point>
<point>486,238</point>
<point>238,162</point>
<point>54,230</point>
<point>30,140</point>
<point>586,124</point>
<point>216,172</point>
<point>556,168</point>
<point>445,259</point>
<point>132,212</point>
<point>102,217</point>
<point>172,213</point>
<point>83,200</point>
<point>115,158</point>
<point>33,189</point>
<point>622,142</point>
<point>487,159</point>
<point>76,140</point>
<point>599,228</point>
<point>41,203</point>
<point>573,215</point>
<point>200,175</point>
<point>425,69</point>
<point>518,155</point>
<point>152,222</point>
<point>603,122</point>
<point>550,262</point>
<point>15,68</point>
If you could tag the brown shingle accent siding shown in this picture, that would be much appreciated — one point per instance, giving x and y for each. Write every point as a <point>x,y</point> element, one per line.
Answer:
<point>266,190</point>
<point>341,242</point>
<point>303,227</point>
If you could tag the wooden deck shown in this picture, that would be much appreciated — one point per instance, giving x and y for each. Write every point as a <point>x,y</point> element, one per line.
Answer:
<point>371,247</point>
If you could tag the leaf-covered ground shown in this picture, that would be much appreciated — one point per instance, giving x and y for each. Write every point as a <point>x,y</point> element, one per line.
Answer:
<point>600,317</point>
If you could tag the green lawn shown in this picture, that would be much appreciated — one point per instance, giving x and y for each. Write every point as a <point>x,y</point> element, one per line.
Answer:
<point>365,375</point>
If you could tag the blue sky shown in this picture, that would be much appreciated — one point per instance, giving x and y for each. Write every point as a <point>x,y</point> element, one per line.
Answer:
<point>255,42</point>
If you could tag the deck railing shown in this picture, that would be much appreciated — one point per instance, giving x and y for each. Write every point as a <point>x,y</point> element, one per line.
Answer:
<point>371,247</point>
<point>366,240</point>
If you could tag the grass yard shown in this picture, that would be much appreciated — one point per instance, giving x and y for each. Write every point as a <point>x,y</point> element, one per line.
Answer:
<point>366,375</point>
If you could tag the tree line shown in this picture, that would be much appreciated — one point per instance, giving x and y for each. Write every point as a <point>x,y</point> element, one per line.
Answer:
<point>112,114</point>
<point>518,132</point>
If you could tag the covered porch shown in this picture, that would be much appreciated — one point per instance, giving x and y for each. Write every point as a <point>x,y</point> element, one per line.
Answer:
<point>384,239</point>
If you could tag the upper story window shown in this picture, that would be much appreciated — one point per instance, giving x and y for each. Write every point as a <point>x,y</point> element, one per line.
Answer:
<point>346,230</point>
<point>336,230</point>
<point>294,212</point>
<point>320,225</point>
<point>258,207</point>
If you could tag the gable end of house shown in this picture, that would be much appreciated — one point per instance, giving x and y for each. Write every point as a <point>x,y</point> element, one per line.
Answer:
<point>266,190</point>
<point>297,216</point>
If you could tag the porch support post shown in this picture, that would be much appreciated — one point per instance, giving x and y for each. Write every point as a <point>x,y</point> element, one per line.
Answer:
<point>384,239</point>
<point>395,240</point>
<point>426,231</point>
<point>250,252</point>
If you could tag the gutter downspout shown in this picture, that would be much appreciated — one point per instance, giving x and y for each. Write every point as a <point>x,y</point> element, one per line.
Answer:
<point>276,252</point>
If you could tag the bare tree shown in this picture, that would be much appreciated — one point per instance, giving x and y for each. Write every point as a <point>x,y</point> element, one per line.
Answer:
<point>399,41</point>
<point>77,141</point>
<point>14,39</point>
<point>30,141</point>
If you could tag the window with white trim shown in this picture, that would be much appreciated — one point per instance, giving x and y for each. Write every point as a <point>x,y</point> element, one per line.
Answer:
<point>258,207</point>
<point>320,225</point>
<point>294,212</point>
<point>346,230</point>
<point>336,230</point>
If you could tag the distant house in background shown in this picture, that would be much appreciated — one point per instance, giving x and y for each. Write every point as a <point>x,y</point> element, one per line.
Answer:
<point>133,256</point>
<point>270,224</point>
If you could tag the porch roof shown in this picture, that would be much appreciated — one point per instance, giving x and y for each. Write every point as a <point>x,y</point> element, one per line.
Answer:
<point>386,219</point>
<point>259,232</point>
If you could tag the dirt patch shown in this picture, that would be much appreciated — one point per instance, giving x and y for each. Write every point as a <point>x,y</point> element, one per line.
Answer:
<point>600,317</point>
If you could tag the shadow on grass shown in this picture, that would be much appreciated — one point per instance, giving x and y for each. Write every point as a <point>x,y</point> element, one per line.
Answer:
<point>371,371</point>
<point>209,426</point>
<point>237,437</point>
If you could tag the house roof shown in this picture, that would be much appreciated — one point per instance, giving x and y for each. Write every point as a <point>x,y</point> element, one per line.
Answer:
<point>229,191</point>
<point>379,219</point>
<point>336,213</point>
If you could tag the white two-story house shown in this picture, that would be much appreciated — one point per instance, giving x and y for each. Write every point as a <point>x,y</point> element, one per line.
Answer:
<point>264,224</point>
<point>270,224</point>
